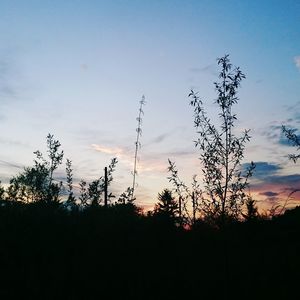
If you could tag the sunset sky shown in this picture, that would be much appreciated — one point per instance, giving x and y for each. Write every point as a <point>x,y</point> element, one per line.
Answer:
<point>78,69</point>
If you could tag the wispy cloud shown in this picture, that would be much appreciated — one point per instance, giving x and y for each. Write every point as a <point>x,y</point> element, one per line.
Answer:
<point>273,132</point>
<point>297,61</point>
<point>210,69</point>
<point>13,143</point>
<point>290,118</point>
<point>160,138</point>
<point>165,136</point>
<point>290,181</point>
<point>10,164</point>
<point>269,194</point>
<point>108,150</point>
<point>293,108</point>
<point>149,163</point>
<point>8,89</point>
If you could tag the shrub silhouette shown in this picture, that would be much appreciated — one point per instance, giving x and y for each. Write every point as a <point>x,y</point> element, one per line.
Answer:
<point>36,183</point>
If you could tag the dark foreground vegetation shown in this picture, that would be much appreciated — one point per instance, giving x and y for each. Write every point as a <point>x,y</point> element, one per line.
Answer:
<point>48,252</point>
<point>207,241</point>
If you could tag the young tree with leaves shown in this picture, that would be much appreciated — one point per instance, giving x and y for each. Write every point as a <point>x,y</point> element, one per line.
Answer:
<point>36,183</point>
<point>221,150</point>
<point>83,194</point>
<point>183,193</point>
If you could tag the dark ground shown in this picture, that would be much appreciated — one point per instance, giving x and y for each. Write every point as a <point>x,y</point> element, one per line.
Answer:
<point>115,253</point>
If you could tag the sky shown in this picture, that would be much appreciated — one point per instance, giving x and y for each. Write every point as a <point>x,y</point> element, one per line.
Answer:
<point>78,69</point>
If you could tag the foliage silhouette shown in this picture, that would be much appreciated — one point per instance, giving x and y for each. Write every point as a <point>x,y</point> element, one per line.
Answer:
<point>97,187</point>
<point>85,250</point>
<point>167,207</point>
<point>221,150</point>
<point>294,139</point>
<point>252,210</point>
<point>116,252</point>
<point>223,195</point>
<point>126,196</point>
<point>36,183</point>
<point>71,201</point>
<point>181,190</point>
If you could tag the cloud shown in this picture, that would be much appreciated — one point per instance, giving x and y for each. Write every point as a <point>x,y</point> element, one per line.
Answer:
<point>164,136</point>
<point>208,69</point>
<point>293,180</point>
<point>160,138</point>
<point>293,108</point>
<point>269,194</point>
<point>276,185</point>
<point>297,61</point>
<point>84,67</point>
<point>107,150</point>
<point>12,143</point>
<point>9,164</point>
<point>8,90</point>
<point>271,197</point>
<point>153,162</point>
<point>275,134</point>
<point>182,153</point>
<point>263,169</point>
<point>272,132</point>
<point>270,187</point>
<point>272,181</point>
<point>277,190</point>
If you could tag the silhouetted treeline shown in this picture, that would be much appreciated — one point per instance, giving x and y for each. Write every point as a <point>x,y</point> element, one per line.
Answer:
<point>115,252</point>
<point>201,242</point>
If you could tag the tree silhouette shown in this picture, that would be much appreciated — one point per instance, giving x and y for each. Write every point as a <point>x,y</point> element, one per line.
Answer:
<point>183,193</point>
<point>126,196</point>
<point>167,206</point>
<point>36,183</point>
<point>251,210</point>
<point>71,201</point>
<point>83,194</point>
<point>221,150</point>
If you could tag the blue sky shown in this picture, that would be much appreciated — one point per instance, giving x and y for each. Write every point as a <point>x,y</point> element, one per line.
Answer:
<point>78,69</point>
